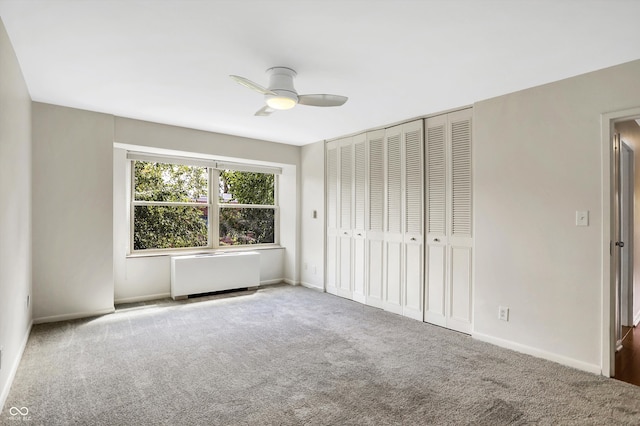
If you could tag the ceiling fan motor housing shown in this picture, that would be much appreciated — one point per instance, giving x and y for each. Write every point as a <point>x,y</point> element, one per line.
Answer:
<point>281,83</point>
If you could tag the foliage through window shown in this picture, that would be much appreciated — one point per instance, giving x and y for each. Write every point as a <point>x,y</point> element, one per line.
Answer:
<point>171,207</point>
<point>247,211</point>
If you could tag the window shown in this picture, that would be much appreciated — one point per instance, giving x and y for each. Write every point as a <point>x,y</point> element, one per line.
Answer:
<point>173,205</point>
<point>247,208</point>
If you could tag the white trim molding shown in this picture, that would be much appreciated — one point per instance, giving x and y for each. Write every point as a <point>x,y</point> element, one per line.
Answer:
<point>538,353</point>
<point>311,286</point>
<point>4,393</point>
<point>76,315</point>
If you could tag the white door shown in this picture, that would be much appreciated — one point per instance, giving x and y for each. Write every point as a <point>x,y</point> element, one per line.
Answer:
<point>359,217</point>
<point>413,282</point>
<point>460,240</point>
<point>375,219</point>
<point>449,221</point>
<point>436,223</point>
<point>393,236</point>
<point>345,249</point>
<point>627,176</point>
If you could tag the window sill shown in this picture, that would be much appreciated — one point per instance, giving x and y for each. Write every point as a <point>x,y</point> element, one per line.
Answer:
<point>205,251</point>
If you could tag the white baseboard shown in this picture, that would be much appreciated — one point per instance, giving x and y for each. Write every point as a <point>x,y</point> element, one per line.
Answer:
<point>636,319</point>
<point>538,353</point>
<point>290,281</point>
<point>76,315</point>
<point>311,286</point>
<point>142,298</point>
<point>14,368</point>
<point>270,282</point>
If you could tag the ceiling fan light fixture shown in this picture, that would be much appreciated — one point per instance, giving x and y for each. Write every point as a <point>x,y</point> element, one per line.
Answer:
<point>282,95</point>
<point>281,102</point>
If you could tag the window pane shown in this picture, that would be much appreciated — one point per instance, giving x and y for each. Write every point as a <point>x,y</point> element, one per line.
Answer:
<point>246,226</point>
<point>159,227</point>
<point>246,188</point>
<point>170,182</point>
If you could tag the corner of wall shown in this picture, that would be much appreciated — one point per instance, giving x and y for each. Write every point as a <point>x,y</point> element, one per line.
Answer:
<point>16,215</point>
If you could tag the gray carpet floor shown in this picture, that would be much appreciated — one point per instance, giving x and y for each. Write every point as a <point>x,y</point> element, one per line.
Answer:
<point>286,355</point>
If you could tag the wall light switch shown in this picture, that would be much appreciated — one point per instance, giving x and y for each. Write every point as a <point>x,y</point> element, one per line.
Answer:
<point>582,218</point>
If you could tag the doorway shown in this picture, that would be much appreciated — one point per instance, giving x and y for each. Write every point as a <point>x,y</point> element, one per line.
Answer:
<point>621,280</point>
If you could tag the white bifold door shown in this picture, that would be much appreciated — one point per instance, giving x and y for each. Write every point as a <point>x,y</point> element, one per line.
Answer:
<point>346,205</point>
<point>395,217</point>
<point>375,217</point>
<point>449,240</point>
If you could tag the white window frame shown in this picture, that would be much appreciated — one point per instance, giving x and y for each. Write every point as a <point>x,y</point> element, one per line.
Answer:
<point>275,207</point>
<point>213,221</point>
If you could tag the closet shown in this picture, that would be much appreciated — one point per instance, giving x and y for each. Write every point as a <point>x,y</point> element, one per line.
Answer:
<point>375,218</point>
<point>389,191</point>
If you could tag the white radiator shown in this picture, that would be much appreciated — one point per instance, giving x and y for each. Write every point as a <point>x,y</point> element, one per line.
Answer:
<point>204,273</point>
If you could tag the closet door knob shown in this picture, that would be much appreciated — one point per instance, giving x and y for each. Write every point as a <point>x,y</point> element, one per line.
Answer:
<point>437,240</point>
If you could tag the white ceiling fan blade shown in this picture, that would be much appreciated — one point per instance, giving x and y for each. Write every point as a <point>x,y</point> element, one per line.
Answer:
<point>251,85</point>
<point>264,111</point>
<point>322,100</point>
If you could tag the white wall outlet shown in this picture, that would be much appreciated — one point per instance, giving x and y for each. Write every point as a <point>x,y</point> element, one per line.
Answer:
<point>503,313</point>
<point>582,218</point>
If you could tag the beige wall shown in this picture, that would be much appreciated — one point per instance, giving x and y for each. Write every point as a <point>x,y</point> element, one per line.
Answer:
<point>312,244</point>
<point>537,160</point>
<point>73,212</point>
<point>15,213</point>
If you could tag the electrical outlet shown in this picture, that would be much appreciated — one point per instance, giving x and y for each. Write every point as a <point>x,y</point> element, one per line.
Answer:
<point>503,313</point>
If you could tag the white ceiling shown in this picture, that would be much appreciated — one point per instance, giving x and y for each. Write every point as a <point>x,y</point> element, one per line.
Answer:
<point>168,60</point>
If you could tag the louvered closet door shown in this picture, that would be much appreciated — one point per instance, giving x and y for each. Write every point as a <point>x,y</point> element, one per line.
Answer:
<point>359,217</point>
<point>393,236</point>
<point>460,240</point>
<point>436,222</point>
<point>345,249</point>
<point>449,221</point>
<point>375,218</point>
<point>413,220</point>
<point>331,280</point>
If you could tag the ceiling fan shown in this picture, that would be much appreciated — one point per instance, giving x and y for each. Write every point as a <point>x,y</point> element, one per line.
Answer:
<point>281,94</point>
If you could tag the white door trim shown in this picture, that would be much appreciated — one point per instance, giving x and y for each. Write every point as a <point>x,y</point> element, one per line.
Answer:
<point>607,121</point>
